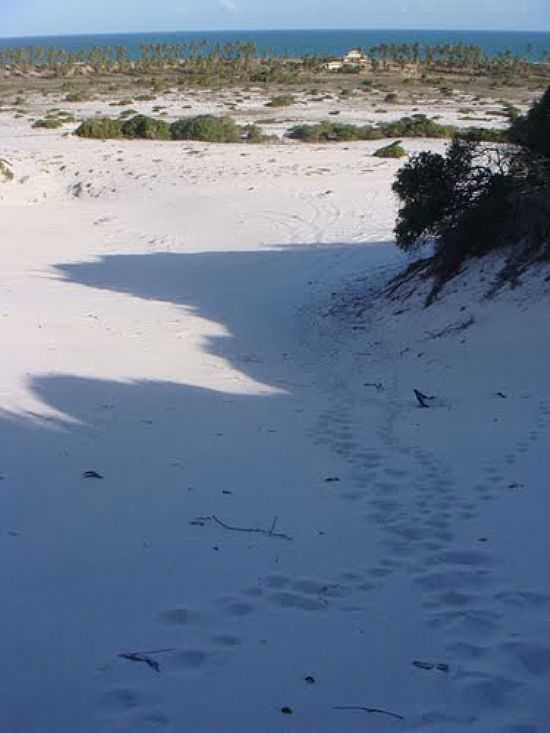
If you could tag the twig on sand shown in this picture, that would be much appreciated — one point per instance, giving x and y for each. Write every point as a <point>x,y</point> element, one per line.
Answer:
<point>145,657</point>
<point>268,532</point>
<point>452,328</point>
<point>369,710</point>
<point>422,398</point>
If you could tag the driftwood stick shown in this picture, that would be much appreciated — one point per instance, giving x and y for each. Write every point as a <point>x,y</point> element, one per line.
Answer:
<point>369,710</point>
<point>422,398</point>
<point>267,532</point>
<point>145,657</point>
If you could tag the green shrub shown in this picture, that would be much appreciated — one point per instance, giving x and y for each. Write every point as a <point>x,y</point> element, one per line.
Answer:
<point>254,134</point>
<point>532,131</point>
<point>484,135</point>
<point>76,97</point>
<point>6,172</point>
<point>324,132</point>
<point>328,131</point>
<point>49,123</point>
<point>471,201</point>
<point>146,128</point>
<point>417,126</point>
<point>393,150</point>
<point>206,128</point>
<point>283,100</point>
<point>128,113</point>
<point>101,128</point>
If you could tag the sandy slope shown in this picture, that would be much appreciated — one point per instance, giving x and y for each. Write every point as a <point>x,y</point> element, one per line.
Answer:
<point>198,326</point>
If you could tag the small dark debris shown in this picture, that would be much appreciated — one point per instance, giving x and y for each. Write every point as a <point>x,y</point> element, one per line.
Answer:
<point>309,679</point>
<point>91,474</point>
<point>226,491</point>
<point>286,710</point>
<point>428,666</point>
<point>332,479</point>
<point>423,665</point>
<point>501,395</point>
<point>483,539</point>
<point>134,657</point>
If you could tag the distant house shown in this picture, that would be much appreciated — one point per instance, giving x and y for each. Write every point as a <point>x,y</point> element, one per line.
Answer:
<point>355,57</point>
<point>333,65</point>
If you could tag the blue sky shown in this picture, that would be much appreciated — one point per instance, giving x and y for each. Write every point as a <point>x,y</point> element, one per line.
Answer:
<point>41,17</point>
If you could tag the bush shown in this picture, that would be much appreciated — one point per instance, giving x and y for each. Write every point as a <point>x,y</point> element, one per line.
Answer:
<point>417,126</point>
<point>284,100</point>
<point>206,128</point>
<point>330,132</point>
<point>76,97</point>
<point>391,98</point>
<point>101,128</point>
<point>393,150</point>
<point>49,123</point>
<point>484,135</point>
<point>6,172</point>
<point>471,201</point>
<point>146,128</point>
<point>533,130</point>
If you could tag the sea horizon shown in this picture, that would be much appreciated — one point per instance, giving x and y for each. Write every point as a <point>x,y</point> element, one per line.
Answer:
<point>302,41</point>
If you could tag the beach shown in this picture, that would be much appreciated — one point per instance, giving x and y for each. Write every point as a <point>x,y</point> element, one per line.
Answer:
<point>222,507</point>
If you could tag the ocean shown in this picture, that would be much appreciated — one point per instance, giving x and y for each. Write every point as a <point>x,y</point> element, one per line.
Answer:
<point>296,43</point>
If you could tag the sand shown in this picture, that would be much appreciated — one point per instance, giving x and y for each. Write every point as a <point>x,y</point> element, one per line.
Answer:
<point>194,346</point>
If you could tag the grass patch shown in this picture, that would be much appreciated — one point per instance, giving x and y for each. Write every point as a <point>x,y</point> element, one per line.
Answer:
<point>283,100</point>
<point>48,123</point>
<point>204,128</point>
<point>146,128</point>
<point>100,128</point>
<point>76,97</point>
<point>6,172</point>
<point>393,150</point>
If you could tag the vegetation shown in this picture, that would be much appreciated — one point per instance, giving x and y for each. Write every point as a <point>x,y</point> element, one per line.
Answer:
<point>283,100</point>
<point>205,128</point>
<point>146,128</point>
<point>407,127</point>
<point>476,199</point>
<point>202,64</point>
<point>76,97</point>
<point>48,123</point>
<point>393,150</point>
<point>6,173</point>
<point>101,128</point>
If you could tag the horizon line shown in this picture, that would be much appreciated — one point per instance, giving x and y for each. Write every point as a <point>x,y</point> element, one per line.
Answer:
<point>274,30</point>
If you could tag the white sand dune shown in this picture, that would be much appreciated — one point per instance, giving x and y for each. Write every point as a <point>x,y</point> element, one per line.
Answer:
<point>201,327</point>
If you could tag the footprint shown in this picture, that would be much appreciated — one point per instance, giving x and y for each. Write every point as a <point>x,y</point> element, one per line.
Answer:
<point>236,607</point>
<point>120,699</point>
<point>179,617</point>
<point>535,658</point>
<point>276,581</point>
<point>189,659</point>
<point>226,640</point>
<point>292,600</point>
<point>490,693</point>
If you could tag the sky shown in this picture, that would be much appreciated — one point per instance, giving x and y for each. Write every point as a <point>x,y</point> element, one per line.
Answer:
<point>58,17</point>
